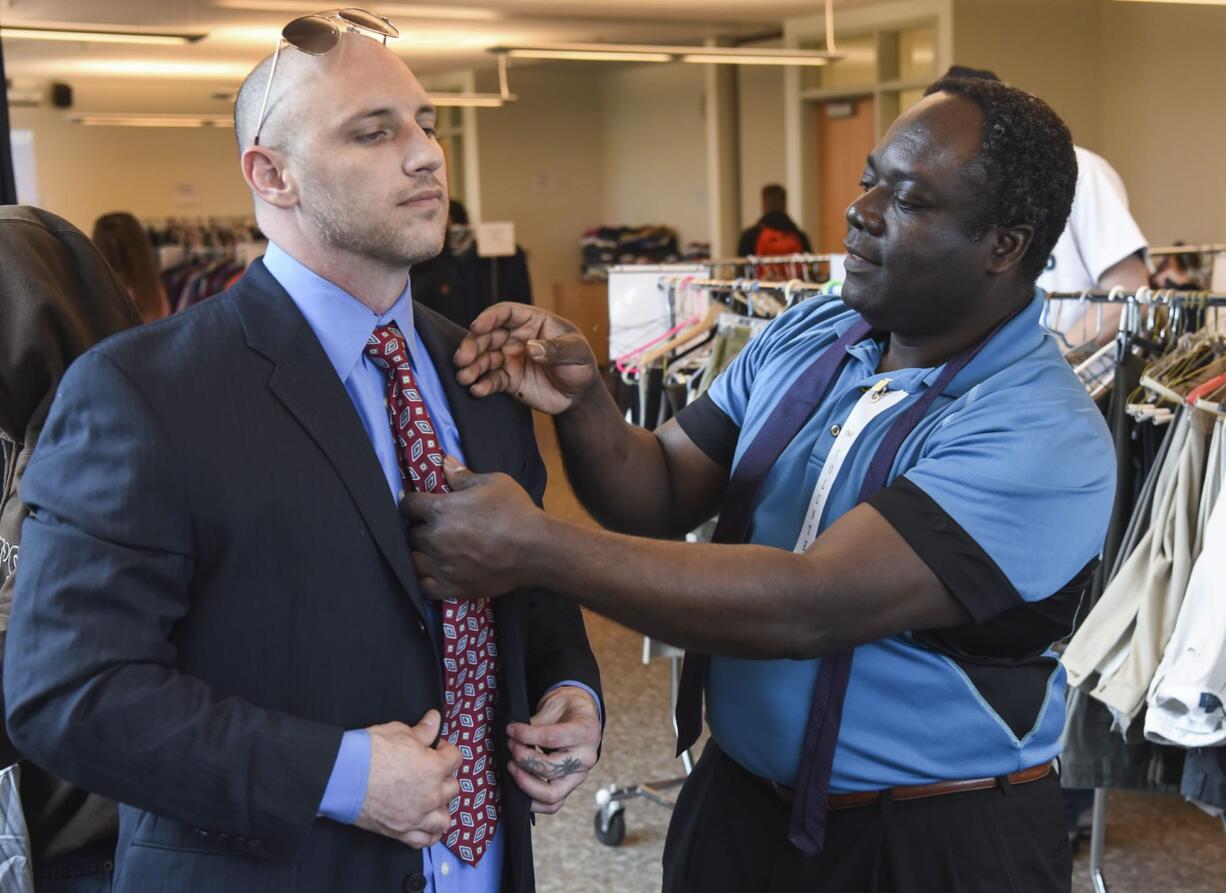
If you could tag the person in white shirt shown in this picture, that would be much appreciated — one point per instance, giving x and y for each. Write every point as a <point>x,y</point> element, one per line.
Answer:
<point>1101,247</point>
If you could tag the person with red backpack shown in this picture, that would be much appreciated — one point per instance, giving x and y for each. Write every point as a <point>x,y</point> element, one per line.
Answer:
<point>774,235</point>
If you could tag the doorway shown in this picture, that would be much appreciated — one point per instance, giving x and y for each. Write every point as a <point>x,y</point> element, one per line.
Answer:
<point>846,134</point>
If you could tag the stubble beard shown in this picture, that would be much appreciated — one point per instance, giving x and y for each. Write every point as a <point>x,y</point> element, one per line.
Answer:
<point>388,240</point>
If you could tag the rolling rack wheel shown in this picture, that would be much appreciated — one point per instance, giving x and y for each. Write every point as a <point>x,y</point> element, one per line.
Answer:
<point>610,825</point>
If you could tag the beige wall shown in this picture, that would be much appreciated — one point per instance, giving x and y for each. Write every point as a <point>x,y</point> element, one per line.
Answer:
<point>541,163</point>
<point>655,152</point>
<point>1163,118</point>
<point>84,172</point>
<point>763,151</point>
<point>1136,82</point>
<point>1048,47</point>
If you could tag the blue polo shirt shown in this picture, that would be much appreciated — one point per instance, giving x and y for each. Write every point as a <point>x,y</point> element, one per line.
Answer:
<point>1004,489</point>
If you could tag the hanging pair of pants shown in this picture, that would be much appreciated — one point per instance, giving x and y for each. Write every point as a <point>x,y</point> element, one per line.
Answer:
<point>729,833</point>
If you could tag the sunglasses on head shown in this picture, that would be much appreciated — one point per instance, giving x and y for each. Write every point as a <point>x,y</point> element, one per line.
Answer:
<point>319,34</point>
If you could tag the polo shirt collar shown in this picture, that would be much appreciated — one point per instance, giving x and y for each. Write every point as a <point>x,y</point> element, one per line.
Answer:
<point>1017,337</point>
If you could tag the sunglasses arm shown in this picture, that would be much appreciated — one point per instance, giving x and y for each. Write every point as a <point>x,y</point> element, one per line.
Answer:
<point>268,90</point>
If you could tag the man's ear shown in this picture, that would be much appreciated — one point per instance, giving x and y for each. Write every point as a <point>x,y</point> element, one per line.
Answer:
<point>1007,246</point>
<point>264,169</point>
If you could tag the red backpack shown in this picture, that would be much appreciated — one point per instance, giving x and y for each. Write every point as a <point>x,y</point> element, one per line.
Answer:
<point>775,243</point>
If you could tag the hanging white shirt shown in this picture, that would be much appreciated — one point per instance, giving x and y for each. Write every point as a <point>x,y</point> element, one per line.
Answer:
<point>1100,233</point>
<point>1188,692</point>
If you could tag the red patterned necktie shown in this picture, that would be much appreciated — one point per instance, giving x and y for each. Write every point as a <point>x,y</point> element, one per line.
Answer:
<point>470,655</point>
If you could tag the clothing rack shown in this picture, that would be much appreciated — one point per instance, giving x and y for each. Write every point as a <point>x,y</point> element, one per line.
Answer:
<point>1168,297</point>
<point>1128,323</point>
<point>793,289</point>
<point>1188,249</point>
<point>782,266</point>
<point>774,259</point>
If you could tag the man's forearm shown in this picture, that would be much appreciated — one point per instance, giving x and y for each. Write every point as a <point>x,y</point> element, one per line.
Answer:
<point>618,471</point>
<point>742,601</point>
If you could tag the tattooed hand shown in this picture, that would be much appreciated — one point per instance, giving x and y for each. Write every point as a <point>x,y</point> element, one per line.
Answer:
<point>552,756</point>
<point>546,770</point>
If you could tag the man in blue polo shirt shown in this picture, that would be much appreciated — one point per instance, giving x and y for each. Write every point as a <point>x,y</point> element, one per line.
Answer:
<point>913,489</point>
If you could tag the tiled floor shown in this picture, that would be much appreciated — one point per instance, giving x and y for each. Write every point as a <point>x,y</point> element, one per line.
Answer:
<point>1155,844</point>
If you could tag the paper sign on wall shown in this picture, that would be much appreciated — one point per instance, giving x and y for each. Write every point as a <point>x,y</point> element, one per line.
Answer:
<point>495,239</point>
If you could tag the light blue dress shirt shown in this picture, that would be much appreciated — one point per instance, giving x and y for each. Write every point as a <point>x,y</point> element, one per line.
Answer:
<point>343,324</point>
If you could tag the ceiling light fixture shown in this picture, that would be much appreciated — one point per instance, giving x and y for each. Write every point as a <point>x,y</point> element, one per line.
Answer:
<point>705,55</point>
<point>480,100</point>
<point>97,35</point>
<point>618,52</point>
<point>756,56</point>
<point>589,52</point>
<point>470,100</point>
<point>101,119</point>
<point>403,10</point>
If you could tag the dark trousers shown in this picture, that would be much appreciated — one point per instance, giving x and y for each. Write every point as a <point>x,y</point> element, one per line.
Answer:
<point>729,832</point>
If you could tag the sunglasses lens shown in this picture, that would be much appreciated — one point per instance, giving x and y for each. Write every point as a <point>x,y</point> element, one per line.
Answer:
<point>311,34</point>
<point>369,21</point>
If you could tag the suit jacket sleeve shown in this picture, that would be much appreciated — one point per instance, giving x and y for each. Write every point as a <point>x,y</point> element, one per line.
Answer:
<point>93,691</point>
<point>555,639</point>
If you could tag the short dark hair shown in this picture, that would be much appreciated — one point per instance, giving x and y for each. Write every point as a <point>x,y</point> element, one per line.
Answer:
<point>961,71</point>
<point>1029,166</point>
<point>775,197</point>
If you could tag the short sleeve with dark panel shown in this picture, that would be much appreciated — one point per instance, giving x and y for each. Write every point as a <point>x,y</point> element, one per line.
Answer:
<point>1011,498</point>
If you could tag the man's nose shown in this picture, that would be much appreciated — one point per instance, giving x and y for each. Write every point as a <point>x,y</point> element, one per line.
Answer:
<point>863,214</point>
<point>425,155</point>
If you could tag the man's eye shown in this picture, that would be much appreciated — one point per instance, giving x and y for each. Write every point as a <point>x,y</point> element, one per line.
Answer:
<point>372,137</point>
<point>430,132</point>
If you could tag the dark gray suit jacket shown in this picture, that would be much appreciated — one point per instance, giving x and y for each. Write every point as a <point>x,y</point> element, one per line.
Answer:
<point>215,584</point>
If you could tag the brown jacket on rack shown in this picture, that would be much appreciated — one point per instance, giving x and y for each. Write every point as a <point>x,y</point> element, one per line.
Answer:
<point>58,298</point>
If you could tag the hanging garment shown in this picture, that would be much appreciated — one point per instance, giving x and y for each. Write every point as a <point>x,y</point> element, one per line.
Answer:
<point>1204,779</point>
<point>1094,755</point>
<point>1123,638</point>
<point>1188,690</point>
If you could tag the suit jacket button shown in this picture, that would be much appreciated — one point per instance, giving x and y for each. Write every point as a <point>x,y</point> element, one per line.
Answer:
<point>203,833</point>
<point>255,844</point>
<point>414,883</point>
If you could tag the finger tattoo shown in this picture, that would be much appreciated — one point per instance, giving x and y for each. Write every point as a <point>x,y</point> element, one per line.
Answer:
<point>551,770</point>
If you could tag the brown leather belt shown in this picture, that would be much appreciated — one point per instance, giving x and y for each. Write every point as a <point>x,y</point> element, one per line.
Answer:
<point>916,792</point>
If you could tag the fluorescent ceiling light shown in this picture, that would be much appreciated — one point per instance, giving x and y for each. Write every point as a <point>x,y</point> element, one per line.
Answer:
<point>156,68</point>
<point>755,57</point>
<point>471,100</point>
<point>406,10</point>
<point>425,37</point>
<point>586,53</point>
<point>96,35</point>
<point>618,52</point>
<point>138,120</point>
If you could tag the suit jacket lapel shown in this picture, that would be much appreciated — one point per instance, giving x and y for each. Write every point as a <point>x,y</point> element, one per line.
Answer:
<point>306,383</point>
<point>479,421</point>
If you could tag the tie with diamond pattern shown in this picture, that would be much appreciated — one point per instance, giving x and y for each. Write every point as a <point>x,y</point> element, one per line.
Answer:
<point>470,655</point>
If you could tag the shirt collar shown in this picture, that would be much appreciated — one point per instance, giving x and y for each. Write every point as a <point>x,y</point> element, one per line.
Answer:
<point>340,321</point>
<point>1016,338</point>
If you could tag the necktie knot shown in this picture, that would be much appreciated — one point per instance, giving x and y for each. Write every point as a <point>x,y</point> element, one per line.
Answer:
<point>387,349</point>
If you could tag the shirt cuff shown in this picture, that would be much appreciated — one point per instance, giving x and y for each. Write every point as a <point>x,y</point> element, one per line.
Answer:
<point>580,685</point>
<point>346,791</point>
